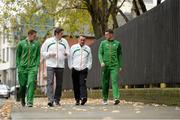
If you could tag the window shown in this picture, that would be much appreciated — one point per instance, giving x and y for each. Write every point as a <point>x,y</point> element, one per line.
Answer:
<point>7,55</point>
<point>3,55</point>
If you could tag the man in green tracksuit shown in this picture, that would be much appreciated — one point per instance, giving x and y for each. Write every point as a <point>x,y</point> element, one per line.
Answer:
<point>110,59</point>
<point>27,63</point>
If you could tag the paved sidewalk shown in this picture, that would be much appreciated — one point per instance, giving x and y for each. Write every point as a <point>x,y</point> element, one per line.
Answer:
<point>94,110</point>
<point>2,101</point>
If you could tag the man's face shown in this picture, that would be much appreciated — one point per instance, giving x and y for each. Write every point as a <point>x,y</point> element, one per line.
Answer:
<point>32,36</point>
<point>59,35</point>
<point>108,35</point>
<point>82,40</point>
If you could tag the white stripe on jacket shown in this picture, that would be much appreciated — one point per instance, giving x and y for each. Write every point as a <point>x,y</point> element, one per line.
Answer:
<point>59,47</point>
<point>80,57</point>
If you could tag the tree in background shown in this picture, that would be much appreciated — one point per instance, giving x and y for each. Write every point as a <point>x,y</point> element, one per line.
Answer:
<point>139,7</point>
<point>158,2</point>
<point>94,16</point>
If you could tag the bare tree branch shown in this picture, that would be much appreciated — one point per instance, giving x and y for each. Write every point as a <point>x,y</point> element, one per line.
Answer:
<point>65,8</point>
<point>121,4</point>
<point>111,1</point>
<point>158,2</point>
<point>136,9</point>
<point>142,5</point>
<point>123,15</point>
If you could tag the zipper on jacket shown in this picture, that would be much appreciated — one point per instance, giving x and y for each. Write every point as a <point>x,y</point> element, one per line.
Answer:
<point>81,59</point>
<point>110,45</point>
<point>29,44</point>
<point>57,52</point>
<point>22,58</point>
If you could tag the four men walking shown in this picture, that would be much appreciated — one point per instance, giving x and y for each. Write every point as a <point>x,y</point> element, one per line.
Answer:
<point>55,50</point>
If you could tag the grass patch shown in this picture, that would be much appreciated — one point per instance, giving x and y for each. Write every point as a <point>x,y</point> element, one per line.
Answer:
<point>168,96</point>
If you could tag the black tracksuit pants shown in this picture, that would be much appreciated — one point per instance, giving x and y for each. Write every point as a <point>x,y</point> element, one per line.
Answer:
<point>79,83</point>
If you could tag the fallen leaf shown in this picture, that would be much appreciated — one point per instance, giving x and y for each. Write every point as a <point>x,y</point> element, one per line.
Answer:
<point>115,111</point>
<point>107,118</point>
<point>156,105</point>
<point>69,113</point>
<point>177,108</point>
<point>138,111</point>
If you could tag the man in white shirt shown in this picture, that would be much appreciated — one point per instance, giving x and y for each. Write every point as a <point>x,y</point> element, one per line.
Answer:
<point>55,50</point>
<point>80,61</point>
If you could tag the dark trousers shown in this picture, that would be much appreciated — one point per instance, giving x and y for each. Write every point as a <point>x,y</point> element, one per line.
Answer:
<point>58,72</point>
<point>79,83</point>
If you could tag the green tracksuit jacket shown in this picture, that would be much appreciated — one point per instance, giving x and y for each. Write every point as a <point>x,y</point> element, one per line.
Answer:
<point>110,54</point>
<point>27,62</point>
<point>28,54</point>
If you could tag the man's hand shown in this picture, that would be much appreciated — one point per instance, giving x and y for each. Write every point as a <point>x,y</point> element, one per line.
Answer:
<point>102,64</point>
<point>65,54</point>
<point>52,54</point>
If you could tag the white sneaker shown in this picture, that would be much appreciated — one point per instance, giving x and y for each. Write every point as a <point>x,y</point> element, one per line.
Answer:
<point>105,102</point>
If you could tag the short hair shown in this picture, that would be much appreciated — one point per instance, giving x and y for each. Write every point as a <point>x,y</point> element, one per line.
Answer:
<point>109,31</point>
<point>81,36</point>
<point>58,30</point>
<point>30,32</point>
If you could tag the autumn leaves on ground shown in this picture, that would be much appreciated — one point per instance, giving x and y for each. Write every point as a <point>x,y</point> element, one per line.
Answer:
<point>13,110</point>
<point>5,111</point>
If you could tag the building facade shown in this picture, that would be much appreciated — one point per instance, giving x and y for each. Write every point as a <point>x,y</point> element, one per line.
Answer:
<point>7,55</point>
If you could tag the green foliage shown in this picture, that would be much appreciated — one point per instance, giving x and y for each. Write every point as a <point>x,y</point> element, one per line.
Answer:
<point>68,15</point>
<point>75,16</point>
<point>76,20</point>
<point>36,13</point>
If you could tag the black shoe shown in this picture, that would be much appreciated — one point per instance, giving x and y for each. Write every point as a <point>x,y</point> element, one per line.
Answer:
<point>23,102</point>
<point>50,104</point>
<point>77,102</point>
<point>84,100</point>
<point>116,102</point>
<point>57,104</point>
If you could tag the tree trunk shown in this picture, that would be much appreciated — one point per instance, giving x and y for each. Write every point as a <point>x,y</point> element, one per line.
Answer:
<point>123,15</point>
<point>114,10</point>
<point>136,9</point>
<point>97,28</point>
<point>115,22</point>
<point>158,2</point>
<point>100,11</point>
<point>143,7</point>
<point>139,7</point>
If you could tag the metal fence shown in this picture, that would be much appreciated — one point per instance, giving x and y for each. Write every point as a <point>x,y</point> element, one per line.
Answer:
<point>151,49</point>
